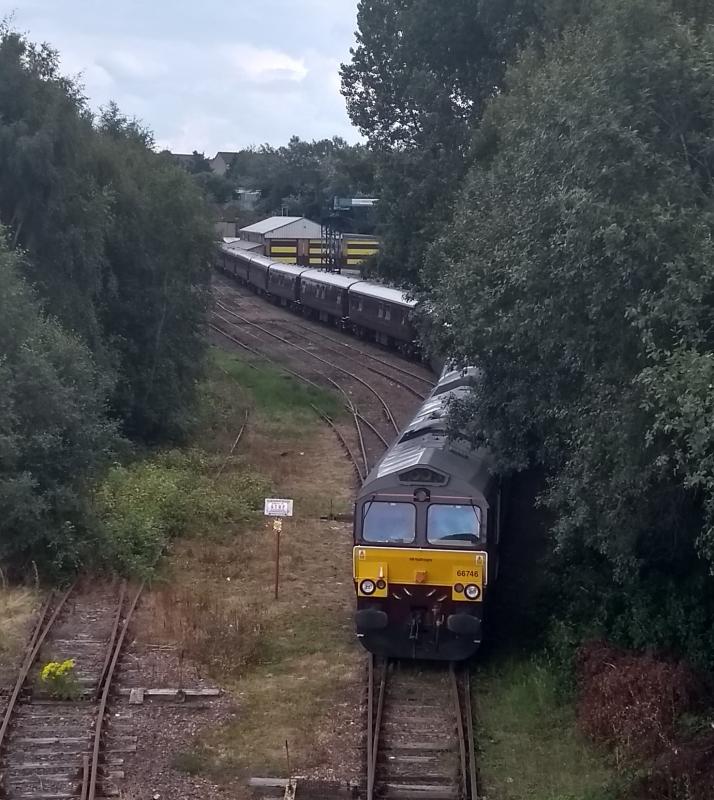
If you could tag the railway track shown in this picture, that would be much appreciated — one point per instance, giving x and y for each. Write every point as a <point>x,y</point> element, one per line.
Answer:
<point>52,748</point>
<point>322,338</point>
<point>420,739</point>
<point>343,347</point>
<point>358,419</point>
<point>361,422</point>
<point>385,406</point>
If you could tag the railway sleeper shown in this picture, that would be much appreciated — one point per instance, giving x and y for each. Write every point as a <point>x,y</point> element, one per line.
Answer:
<point>425,791</point>
<point>418,746</point>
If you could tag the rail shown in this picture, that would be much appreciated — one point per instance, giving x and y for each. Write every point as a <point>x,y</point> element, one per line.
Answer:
<point>37,639</point>
<point>357,378</point>
<point>349,404</point>
<point>453,705</point>
<point>115,646</point>
<point>376,371</point>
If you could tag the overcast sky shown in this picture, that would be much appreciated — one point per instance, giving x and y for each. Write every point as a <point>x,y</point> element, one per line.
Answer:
<point>210,74</point>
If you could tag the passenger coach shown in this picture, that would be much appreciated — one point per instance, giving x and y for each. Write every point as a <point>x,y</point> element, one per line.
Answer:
<point>367,309</point>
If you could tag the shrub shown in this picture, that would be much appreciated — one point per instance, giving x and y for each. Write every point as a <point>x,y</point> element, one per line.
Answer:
<point>60,681</point>
<point>144,505</point>
<point>633,702</point>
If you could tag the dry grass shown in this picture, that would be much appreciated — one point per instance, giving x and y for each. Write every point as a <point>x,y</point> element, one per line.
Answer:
<point>292,665</point>
<point>17,611</point>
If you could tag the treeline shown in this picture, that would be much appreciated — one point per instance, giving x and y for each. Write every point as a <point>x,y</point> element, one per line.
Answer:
<point>104,263</point>
<point>302,177</point>
<point>563,237</point>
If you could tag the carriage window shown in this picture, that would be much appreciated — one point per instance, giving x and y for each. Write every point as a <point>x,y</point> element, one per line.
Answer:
<point>380,311</point>
<point>453,526</point>
<point>387,313</point>
<point>388,523</point>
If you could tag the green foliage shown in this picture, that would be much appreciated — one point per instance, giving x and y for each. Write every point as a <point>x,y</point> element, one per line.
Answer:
<point>277,394</point>
<point>416,84</point>
<point>54,436</point>
<point>118,239</point>
<point>529,745</point>
<point>144,505</point>
<point>305,176</point>
<point>155,303</point>
<point>577,273</point>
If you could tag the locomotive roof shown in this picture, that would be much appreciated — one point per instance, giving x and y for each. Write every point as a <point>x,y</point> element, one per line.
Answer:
<point>384,293</point>
<point>320,276</point>
<point>424,443</point>
<point>469,470</point>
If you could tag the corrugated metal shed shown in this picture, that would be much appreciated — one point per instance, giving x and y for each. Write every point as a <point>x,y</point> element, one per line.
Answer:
<point>285,228</point>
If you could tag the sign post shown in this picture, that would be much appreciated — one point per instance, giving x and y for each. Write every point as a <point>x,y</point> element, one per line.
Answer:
<point>278,508</point>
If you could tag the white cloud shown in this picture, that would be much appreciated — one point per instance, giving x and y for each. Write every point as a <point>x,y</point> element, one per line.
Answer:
<point>260,64</point>
<point>219,76</point>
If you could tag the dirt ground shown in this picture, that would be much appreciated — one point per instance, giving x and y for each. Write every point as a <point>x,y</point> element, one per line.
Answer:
<point>289,669</point>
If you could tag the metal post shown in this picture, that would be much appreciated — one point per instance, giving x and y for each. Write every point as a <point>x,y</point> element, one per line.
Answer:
<point>277,527</point>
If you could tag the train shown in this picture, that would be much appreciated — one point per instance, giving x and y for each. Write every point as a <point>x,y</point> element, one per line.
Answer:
<point>427,523</point>
<point>366,309</point>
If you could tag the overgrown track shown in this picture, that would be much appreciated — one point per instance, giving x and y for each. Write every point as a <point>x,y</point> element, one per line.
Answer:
<point>326,362</point>
<point>359,416</point>
<point>52,747</point>
<point>363,358</point>
<point>420,740</point>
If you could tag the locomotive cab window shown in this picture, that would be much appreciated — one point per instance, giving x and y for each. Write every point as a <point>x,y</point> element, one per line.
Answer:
<point>453,526</point>
<point>388,523</point>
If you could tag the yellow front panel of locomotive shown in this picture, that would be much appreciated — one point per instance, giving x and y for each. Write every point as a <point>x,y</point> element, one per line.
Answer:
<point>427,567</point>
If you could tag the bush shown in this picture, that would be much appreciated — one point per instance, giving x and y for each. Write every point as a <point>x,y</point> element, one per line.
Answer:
<point>652,713</point>
<point>633,702</point>
<point>144,505</point>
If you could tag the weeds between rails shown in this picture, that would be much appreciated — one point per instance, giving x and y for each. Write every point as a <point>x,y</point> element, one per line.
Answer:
<point>420,737</point>
<point>359,418</point>
<point>56,742</point>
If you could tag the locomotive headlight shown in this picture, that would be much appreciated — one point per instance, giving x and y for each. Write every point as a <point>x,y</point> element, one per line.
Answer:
<point>367,586</point>
<point>472,591</point>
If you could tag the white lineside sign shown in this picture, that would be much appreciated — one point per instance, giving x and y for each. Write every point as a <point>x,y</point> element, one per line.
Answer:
<point>278,507</point>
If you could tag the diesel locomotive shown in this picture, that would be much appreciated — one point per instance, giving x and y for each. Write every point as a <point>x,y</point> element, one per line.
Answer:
<point>427,524</point>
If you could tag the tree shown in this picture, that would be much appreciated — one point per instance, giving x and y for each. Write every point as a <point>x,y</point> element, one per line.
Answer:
<point>55,438</point>
<point>199,163</point>
<point>577,274</point>
<point>156,298</point>
<point>416,86</point>
<point>118,238</point>
<point>49,197</point>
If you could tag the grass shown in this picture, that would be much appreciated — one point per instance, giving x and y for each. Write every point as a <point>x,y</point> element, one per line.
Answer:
<point>530,748</point>
<point>279,396</point>
<point>17,610</point>
<point>290,665</point>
